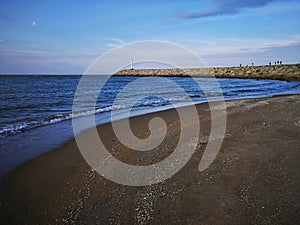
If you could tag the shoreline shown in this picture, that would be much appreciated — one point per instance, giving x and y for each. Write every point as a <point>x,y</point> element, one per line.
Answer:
<point>59,186</point>
<point>49,148</point>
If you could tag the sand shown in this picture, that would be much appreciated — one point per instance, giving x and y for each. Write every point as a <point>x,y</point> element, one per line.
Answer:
<point>253,180</point>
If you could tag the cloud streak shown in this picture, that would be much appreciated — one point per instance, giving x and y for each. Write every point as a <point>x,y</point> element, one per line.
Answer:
<point>242,45</point>
<point>221,8</point>
<point>115,42</point>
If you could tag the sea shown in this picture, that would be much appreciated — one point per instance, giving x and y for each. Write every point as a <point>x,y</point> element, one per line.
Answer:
<point>36,110</point>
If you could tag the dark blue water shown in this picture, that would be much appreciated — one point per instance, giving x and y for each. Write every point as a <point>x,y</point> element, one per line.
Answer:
<point>36,110</point>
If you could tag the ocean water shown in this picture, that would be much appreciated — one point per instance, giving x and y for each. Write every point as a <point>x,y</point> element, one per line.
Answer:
<point>36,110</point>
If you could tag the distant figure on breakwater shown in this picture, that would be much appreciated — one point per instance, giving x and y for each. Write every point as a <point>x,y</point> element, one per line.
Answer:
<point>277,63</point>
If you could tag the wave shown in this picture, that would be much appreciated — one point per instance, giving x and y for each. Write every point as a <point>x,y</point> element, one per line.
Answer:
<point>231,90</point>
<point>20,126</point>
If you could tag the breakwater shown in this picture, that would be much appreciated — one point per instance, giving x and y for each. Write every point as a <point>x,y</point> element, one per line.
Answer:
<point>289,72</point>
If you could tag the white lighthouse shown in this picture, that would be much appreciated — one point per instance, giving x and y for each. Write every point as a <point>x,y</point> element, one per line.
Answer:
<point>131,64</point>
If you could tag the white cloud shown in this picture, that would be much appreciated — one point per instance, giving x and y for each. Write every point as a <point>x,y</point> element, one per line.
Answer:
<point>34,24</point>
<point>239,45</point>
<point>40,61</point>
<point>112,45</point>
<point>115,42</point>
<point>32,46</point>
<point>233,51</point>
<point>215,52</point>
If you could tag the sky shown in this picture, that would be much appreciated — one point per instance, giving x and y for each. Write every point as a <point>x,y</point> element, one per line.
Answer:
<point>65,37</point>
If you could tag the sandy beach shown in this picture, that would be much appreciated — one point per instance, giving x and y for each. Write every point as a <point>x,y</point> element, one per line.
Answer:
<point>253,180</point>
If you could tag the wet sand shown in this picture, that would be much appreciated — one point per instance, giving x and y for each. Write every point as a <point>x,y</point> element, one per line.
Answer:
<point>253,180</point>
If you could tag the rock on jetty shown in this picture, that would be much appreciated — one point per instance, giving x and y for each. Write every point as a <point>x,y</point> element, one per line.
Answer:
<point>276,72</point>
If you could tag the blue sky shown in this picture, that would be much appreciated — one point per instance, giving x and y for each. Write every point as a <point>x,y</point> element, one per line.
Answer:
<point>67,36</point>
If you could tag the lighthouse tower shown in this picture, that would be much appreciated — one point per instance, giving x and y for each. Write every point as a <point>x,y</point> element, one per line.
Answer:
<point>131,64</point>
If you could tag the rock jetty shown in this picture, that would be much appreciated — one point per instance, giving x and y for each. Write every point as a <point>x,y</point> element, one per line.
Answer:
<point>288,72</point>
